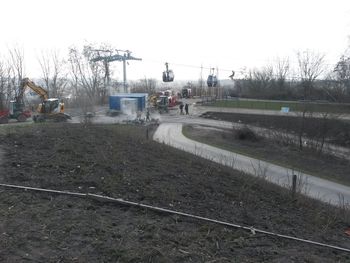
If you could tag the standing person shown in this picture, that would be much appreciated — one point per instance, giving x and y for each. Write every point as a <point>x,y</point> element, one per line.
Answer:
<point>181,108</point>
<point>148,115</point>
<point>186,109</point>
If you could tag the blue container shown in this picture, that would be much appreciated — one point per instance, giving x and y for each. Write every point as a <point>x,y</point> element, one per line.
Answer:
<point>114,100</point>
<point>114,103</point>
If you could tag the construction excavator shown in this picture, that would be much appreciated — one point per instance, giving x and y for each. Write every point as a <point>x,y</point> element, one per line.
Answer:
<point>163,100</point>
<point>159,102</point>
<point>49,108</point>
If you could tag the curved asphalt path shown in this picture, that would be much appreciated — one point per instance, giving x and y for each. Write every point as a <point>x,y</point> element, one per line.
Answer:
<point>339,151</point>
<point>171,134</point>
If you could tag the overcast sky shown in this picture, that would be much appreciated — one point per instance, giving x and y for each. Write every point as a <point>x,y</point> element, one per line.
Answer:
<point>228,34</point>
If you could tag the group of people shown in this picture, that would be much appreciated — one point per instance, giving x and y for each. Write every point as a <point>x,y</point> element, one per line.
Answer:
<point>182,106</point>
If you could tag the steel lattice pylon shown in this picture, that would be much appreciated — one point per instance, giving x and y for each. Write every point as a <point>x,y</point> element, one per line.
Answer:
<point>114,57</point>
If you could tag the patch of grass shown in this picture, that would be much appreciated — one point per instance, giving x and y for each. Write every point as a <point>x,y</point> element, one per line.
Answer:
<point>336,131</point>
<point>306,161</point>
<point>276,105</point>
<point>14,127</point>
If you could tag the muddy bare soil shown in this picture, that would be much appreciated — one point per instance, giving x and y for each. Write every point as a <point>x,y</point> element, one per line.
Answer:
<point>336,131</point>
<point>120,162</point>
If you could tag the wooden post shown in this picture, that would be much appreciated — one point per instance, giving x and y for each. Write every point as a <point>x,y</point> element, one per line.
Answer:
<point>294,185</point>
<point>147,135</point>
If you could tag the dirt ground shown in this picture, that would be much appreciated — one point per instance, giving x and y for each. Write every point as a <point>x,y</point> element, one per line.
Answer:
<point>336,131</point>
<point>119,161</point>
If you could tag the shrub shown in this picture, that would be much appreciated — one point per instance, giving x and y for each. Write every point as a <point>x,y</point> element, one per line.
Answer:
<point>245,134</point>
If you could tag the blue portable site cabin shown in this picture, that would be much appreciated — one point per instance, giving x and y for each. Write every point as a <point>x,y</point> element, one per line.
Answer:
<point>115,100</point>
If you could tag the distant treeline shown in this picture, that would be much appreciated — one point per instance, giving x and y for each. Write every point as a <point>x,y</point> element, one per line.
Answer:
<point>324,90</point>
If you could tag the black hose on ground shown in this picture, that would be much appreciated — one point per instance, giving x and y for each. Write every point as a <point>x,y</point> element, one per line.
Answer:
<point>168,211</point>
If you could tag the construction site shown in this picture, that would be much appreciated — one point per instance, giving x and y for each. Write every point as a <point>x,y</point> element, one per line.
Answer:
<point>122,162</point>
<point>145,132</point>
<point>98,183</point>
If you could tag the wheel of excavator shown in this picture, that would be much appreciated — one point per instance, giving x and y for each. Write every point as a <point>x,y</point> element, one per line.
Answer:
<point>4,120</point>
<point>21,118</point>
<point>38,118</point>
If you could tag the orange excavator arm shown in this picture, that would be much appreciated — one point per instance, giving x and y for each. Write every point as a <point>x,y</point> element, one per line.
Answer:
<point>26,82</point>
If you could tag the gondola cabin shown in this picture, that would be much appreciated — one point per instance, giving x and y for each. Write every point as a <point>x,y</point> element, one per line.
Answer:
<point>168,75</point>
<point>212,81</point>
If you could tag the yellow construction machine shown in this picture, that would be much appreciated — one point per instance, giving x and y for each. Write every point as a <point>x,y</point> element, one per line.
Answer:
<point>49,108</point>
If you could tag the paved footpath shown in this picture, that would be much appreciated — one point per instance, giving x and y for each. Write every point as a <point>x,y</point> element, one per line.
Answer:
<point>171,134</point>
<point>336,150</point>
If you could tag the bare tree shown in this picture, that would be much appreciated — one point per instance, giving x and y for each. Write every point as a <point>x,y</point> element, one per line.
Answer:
<point>53,71</point>
<point>16,62</point>
<point>3,82</point>
<point>324,130</point>
<point>311,66</point>
<point>342,74</point>
<point>342,68</point>
<point>144,85</point>
<point>281,70</point>
<point>88,77</point>
<point>260,81</point>
<point>11,74</point>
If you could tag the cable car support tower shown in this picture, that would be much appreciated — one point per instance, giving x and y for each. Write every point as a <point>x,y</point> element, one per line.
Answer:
<point>107,56</point>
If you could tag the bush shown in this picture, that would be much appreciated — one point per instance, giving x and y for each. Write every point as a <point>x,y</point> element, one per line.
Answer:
<point>245,134</point>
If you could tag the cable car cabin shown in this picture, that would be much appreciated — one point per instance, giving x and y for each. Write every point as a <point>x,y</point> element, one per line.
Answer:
<point>212,81</point>
<point>168,76</point>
